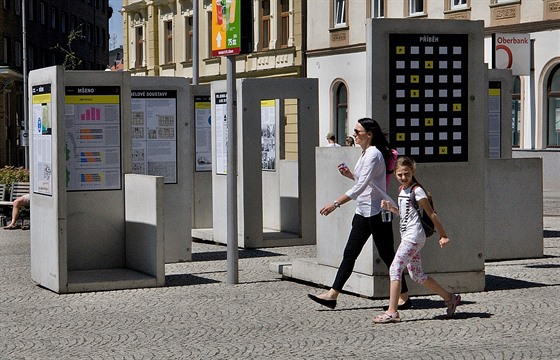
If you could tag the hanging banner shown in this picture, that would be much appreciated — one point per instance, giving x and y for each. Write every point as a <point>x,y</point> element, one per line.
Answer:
<point>226,28</point>
<point>512,51</point>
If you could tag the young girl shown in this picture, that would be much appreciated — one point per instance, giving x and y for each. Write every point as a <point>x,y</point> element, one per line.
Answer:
<point>413,239</point>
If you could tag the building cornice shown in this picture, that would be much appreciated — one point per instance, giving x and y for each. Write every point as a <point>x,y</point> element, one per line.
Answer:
<point>336,51</point>
<point>528,27</point>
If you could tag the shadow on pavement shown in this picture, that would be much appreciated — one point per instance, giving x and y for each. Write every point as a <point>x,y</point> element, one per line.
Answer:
<point>496,283</point>
<point>551,234</point>
<point>187,279</point>
<point>222,255</point>
<point>544,266</point>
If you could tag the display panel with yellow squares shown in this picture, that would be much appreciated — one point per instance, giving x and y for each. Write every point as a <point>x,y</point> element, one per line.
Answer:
<point>428,88</point>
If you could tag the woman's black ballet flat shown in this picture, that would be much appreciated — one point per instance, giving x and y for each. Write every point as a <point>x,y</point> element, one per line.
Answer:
<point>404,306</point>
<point>331,304</point>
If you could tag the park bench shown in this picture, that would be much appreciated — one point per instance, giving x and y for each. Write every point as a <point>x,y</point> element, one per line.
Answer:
<point>17,189</point>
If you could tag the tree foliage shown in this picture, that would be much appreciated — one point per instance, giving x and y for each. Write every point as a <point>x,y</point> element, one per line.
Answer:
<point>71,61</point>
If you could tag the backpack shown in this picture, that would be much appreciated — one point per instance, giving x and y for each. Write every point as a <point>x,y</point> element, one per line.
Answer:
<point>393,154</point>
<point>427,223</point>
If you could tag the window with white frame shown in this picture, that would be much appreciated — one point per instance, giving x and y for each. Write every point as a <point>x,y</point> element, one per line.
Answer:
<point>415,7</point>
<point>457,4</point>
<point>168,41</point>
<point>377,8</point>
<point>265,24</point>
<point>339,13</point>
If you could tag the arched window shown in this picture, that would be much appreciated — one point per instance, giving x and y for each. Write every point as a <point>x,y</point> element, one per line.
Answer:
<point>516,111</point>
<point>340,111</point>
<point>553,90</point>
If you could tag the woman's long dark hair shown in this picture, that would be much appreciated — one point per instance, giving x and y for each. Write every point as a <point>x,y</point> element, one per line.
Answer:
<point>378,139</point>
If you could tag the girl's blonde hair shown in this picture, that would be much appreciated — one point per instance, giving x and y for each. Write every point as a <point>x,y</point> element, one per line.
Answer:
<point>405,161</point>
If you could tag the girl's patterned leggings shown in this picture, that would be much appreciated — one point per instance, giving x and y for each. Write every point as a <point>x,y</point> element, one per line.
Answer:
<point>408,255</point>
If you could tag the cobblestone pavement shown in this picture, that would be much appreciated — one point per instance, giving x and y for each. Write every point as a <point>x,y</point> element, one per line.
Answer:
<point>198,316</point>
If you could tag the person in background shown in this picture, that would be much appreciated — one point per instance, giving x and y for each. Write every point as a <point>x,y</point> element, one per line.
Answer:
<point>350,141</point>
<point>369,189</point>
<point>331,138</point>
<point>22,201</point>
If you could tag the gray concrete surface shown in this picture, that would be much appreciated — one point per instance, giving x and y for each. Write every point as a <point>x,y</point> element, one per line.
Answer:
<point>198,316</point>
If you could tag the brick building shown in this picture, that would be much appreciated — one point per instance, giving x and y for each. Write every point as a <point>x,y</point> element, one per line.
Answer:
<point>48,24</point>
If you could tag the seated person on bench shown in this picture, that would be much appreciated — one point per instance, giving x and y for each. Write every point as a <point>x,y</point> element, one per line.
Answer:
<point>18,203</point>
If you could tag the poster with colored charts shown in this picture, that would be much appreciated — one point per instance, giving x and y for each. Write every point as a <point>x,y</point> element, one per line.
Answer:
<point>428,96</point>
<point>93,138</point>
<point>42,139</point>
<point>154,133</point>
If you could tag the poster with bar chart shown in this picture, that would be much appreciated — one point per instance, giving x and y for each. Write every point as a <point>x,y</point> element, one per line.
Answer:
<point>93,138</point>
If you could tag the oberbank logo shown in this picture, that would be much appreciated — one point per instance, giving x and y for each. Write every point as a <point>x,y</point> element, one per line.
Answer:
<point>512,51</point>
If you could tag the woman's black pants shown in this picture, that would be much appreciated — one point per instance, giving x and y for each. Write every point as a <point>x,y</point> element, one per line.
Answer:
<point>362,228</point>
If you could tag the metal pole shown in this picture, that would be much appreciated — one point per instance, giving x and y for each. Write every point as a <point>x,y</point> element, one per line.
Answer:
<point>232,241</point>
<point>195,51</point>
<point>25,110</point>
<point>532,97</point>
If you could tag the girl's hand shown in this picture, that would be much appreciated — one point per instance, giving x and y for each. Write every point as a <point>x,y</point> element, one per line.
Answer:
<point>443,241</point>
<point>385,205</point>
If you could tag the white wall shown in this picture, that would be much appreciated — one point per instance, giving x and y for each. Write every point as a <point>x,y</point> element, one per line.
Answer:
<point>351,69</point>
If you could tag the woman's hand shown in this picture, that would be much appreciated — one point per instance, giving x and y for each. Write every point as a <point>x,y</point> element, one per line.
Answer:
<point>345,171</point>
<point>327,209</point>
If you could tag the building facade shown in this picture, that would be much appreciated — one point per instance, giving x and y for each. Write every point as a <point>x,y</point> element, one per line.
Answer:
<point>336,54</point>
<point>158,41</point>
<point>48,24</point>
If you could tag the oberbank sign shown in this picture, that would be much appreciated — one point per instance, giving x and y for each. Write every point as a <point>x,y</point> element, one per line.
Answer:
<point>512,51</point>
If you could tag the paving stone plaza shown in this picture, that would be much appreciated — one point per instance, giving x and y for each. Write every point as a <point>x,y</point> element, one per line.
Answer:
<point>198,316</point>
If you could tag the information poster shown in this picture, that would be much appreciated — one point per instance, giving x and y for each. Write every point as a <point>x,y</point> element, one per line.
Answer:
<point>428,101</point>
<point>268,134</point>
<point>221,133</point>
<point>93,138</point>
<point>42,139</point>
<point>494,119</point>
<point>203,133</point>
<point>154,133</point>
